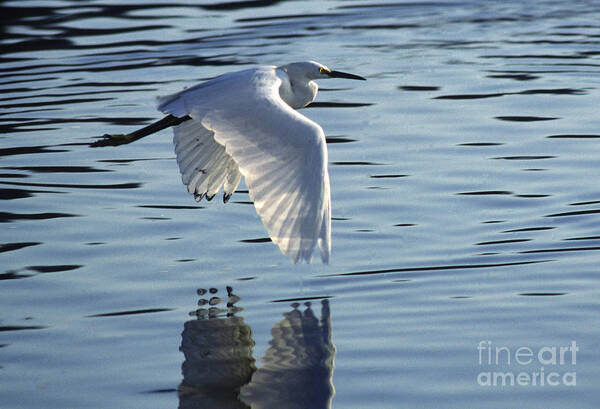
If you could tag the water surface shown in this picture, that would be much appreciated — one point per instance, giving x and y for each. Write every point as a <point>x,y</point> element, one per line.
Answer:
<point>465,210</point>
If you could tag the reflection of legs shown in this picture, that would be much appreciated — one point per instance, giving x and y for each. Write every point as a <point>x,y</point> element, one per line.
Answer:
<point>122,139</point>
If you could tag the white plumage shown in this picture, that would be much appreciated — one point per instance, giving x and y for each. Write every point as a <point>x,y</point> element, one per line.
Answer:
<point>244,123</point>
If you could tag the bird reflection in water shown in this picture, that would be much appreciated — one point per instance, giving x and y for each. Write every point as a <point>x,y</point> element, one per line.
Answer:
<point>219,370</point>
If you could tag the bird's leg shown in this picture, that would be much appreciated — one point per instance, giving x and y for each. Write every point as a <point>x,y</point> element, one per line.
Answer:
<point>122,139</point>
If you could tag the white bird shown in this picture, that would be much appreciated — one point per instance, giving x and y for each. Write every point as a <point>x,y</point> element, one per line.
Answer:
<point>244,124</point>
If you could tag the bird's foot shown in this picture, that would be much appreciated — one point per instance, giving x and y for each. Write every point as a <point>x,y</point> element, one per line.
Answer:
<point>112,140</point>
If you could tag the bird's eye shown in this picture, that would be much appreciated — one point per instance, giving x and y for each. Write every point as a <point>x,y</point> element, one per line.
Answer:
<point>321,70</point>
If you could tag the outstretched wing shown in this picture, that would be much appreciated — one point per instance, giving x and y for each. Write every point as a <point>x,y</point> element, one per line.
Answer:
<point>281,153</point>
<point>203,163</point>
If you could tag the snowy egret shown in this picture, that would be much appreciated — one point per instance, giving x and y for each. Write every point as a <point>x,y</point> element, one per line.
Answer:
<point>244,124</point>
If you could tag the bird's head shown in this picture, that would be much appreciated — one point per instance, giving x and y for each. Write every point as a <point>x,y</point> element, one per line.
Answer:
<point>311,70</point>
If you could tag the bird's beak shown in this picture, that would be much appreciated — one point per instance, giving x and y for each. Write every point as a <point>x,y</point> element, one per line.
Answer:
<point>339,74</point>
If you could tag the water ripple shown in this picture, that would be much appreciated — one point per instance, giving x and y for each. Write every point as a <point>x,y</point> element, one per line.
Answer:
<point>17,246</point>
<point>130,312</point>
<point>558,91</point>
<point>575,213</point>
<point>7,217</point>
<point>437,268</point>
<point>78,186</point>
<point>521,118</point>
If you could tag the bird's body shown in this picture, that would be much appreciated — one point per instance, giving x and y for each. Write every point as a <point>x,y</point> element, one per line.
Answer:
<point>244,124</point>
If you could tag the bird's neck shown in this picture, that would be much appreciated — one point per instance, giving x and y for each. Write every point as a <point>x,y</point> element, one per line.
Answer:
<point>297,94</point>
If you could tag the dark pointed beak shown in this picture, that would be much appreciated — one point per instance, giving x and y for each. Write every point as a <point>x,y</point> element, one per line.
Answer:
<point>339,74</point>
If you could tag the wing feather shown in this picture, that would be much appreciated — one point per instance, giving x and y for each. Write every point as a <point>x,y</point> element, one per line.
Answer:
<point>203,163</point>
<point>281,153</point>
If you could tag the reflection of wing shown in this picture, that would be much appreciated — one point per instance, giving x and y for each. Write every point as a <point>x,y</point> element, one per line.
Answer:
<point>298,367</point>
<point>203,163</point>
<point>281,153</point>
<point>218,361</point>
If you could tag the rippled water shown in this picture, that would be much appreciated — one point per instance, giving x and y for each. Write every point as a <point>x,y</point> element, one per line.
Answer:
<point>465,202</point>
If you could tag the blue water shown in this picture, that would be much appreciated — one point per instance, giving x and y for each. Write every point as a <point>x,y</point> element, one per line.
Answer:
<point>466,211</point>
